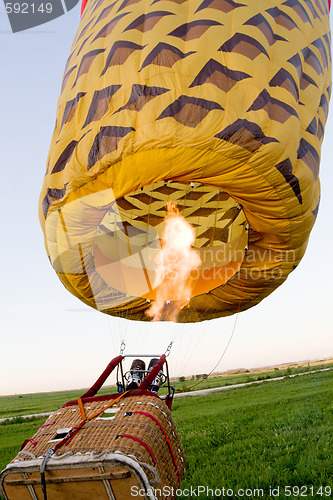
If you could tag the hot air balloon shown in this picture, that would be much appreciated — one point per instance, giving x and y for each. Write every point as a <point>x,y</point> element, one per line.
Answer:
<point>218,106</point>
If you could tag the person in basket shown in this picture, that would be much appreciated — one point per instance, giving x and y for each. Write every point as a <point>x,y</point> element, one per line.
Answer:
<point>138,373</point>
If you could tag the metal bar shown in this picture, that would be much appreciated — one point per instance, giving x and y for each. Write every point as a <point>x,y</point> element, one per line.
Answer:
<point>168,378</point>
<point>122,376</point>
<point>59,480</point>
<point>107,485</point>
<point>32,492</point>
<point>142,355</point>
<point>109,491</point>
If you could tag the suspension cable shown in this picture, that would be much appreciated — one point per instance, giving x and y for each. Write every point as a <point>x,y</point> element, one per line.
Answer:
<point>226,347</point>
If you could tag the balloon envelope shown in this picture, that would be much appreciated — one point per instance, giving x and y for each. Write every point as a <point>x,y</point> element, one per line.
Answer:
<point>219,106</point>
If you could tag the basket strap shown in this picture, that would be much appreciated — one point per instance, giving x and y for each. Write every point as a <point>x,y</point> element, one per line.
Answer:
<point>32,441</point>
<point>68,438</point>
<point>165,435</point>
<point>107,406</point>
<point>83,413</point>
<point>137,440</point>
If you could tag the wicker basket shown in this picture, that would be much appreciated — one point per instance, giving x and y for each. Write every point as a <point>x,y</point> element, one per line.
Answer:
<point>125,445</point>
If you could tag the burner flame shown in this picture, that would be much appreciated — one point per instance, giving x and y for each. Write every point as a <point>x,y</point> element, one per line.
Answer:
<point>175,263</point>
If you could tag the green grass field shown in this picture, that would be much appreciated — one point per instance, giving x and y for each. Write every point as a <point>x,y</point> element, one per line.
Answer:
<point>249,441</point>
<point>26,404</point>
<point>260,437</point>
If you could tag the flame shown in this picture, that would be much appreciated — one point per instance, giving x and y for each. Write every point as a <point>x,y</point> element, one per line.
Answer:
<point>174,265</point>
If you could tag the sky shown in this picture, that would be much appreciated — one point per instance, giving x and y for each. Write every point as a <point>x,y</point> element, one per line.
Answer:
<point>49,339</point>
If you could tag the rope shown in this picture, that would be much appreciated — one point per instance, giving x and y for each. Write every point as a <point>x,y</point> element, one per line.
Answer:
<point>107,406</point>
<point>68,438</point>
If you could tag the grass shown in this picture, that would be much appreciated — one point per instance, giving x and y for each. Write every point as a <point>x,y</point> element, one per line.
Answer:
<point>245,377</point>
<point>252,438</point>
<point>262,436</point>
<point>12,435</point>
<point>26,404</point>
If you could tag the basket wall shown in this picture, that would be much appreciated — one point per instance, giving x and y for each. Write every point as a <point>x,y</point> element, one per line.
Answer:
<point>108,431</point>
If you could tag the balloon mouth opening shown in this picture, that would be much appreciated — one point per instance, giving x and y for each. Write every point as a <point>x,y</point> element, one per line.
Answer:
<point>128,243</point>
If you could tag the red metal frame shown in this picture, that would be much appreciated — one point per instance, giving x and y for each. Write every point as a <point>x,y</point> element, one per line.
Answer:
<point>143,389</point>
<point>145,384</point>
<point>100,381</point>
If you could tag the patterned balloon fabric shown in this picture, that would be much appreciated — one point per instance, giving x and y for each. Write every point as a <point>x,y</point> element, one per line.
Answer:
<point>216,105</point>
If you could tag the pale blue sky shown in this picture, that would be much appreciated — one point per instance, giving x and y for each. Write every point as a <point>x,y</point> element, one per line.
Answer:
<point>49,340</point>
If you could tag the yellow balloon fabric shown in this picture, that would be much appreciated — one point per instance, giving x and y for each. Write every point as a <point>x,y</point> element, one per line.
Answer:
<point>219,105</point>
